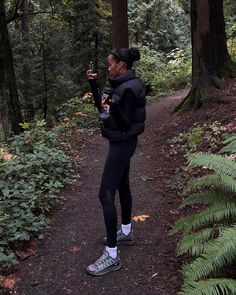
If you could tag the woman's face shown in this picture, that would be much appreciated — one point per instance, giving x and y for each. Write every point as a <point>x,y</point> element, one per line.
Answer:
<point>115,68</point>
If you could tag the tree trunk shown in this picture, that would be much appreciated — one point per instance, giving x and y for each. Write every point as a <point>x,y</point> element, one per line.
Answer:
<point>26,72</point>
<point>10,106</point>
<point>120,35</point>
<point>210,57</point>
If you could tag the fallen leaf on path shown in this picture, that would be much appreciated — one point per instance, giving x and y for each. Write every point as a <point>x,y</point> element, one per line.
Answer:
<point>75,249</point>
<point>174,212</point>
<point>145,178</point>
<point>140,218</point>
<point>26,254</point>
<point>8,282</point>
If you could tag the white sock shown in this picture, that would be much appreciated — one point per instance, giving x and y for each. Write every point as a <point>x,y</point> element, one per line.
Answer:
<point>112,251</point>
<point>126,228</point>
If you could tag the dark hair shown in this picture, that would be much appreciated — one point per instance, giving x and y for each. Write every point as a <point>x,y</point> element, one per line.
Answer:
<point>126,55</point>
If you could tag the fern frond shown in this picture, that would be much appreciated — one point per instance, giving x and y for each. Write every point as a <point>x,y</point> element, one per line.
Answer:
<point>219,254</point>
<point>217,163</point>
<point>204,198</point>
<point>222,182</point>
<point>229,139</point>
<point>219,286</point>
<point>221,212</point>
<point>195,243</point>
<point>231,145</point>
<point>229,148</point>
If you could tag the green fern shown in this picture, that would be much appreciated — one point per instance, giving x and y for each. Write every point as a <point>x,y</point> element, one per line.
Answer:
<point>217,213</point>
<point>229,139</point>
<point>230,148</point>
<point>206,198</point>
<point>219,286</point>
<point>196,243</point>
<point>231,145</point>
<point>217,163</point>
<point>214,245</point>
<point>222,182</point>
<point>218,255</point>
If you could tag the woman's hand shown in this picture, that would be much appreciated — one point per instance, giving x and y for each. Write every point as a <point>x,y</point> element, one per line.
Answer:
<point>91,75</point>
<point>105,106</point>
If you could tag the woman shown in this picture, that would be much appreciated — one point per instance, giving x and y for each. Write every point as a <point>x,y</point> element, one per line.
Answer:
<point>122,120</point>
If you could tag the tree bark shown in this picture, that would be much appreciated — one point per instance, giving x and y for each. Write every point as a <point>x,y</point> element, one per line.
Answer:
<point>10,106</point>
<point>120,35</point>
<point>26,71</point>
<point>210,57</point>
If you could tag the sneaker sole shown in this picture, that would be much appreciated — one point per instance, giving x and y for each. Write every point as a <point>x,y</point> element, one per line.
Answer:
<point>125,243</point>
<point>122,243</point>
<point>105,271</point>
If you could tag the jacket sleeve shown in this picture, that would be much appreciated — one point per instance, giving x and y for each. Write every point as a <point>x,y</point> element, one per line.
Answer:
<point>96,94</point>
<point>123,111</point>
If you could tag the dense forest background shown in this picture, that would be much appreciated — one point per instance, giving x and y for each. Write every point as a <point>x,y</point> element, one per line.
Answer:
<point>53,42</point>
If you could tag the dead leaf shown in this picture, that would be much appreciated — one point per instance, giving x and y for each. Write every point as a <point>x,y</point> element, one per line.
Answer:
<point>26,254</point>
<point>145,178</point>
<point>75,249</point>
<point>80,114</point>
<point>140,218</point>
<point>8,282</point>
<point>174,212</point>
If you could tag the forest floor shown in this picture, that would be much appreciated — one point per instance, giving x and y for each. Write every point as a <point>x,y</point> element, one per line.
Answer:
<point>74,240</point>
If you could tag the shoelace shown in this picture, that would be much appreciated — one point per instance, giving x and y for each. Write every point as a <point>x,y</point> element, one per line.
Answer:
<point>102,259</point>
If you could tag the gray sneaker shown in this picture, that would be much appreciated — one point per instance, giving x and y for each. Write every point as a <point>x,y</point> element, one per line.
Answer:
<point>104,265</point>
<point>122,239</point>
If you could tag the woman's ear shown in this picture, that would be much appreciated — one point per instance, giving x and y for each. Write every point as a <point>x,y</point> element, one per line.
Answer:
<point>121,64</point>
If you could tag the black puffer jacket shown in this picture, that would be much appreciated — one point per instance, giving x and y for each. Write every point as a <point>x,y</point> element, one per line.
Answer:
<point>128,109</point>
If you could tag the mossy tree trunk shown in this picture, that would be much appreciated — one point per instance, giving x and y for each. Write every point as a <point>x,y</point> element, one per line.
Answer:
<point>10,106</point>
<point>210,57</point>
<point>120,35</point>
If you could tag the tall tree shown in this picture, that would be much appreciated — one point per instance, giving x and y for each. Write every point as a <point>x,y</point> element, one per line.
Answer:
<point>210,56</point>
<point>120,35</point>
<point>159,24</point>
<point>10,107</point>
<point>26,69</point>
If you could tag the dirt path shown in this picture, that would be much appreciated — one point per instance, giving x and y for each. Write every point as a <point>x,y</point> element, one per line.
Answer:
<point>74,239</point>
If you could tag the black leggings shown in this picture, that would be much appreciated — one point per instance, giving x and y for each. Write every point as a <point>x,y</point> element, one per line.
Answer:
<point>116,176</point>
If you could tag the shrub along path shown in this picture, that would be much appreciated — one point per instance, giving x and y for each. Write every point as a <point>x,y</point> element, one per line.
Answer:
<point>74,240</point>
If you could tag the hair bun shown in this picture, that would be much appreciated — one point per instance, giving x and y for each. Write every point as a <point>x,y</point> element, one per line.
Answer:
<point>134,53</point>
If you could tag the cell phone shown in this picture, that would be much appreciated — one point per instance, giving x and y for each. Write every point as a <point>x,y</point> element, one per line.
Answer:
<point>91,66</point>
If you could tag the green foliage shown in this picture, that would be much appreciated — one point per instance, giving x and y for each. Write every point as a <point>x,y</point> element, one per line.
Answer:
<point>211,136</point>
<point>164,73</point>
<point>151,63</point>
<point>29,182</point>
<point>195,243</point>
<point>159,24</point>
<point>209,235</point>
<point>50,63</point>
<point>230,145</point>
<point>221,253</point>
<point>177,73</point>
<point>217,286</point>
<point>77,113</point>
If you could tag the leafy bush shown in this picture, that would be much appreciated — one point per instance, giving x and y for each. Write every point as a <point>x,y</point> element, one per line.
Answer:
<point>29,181</point>
<point>163,73</point>
<point>209,235</point>
<point>77,112</point>
<point>150,64</point>
<point>177,73</point>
